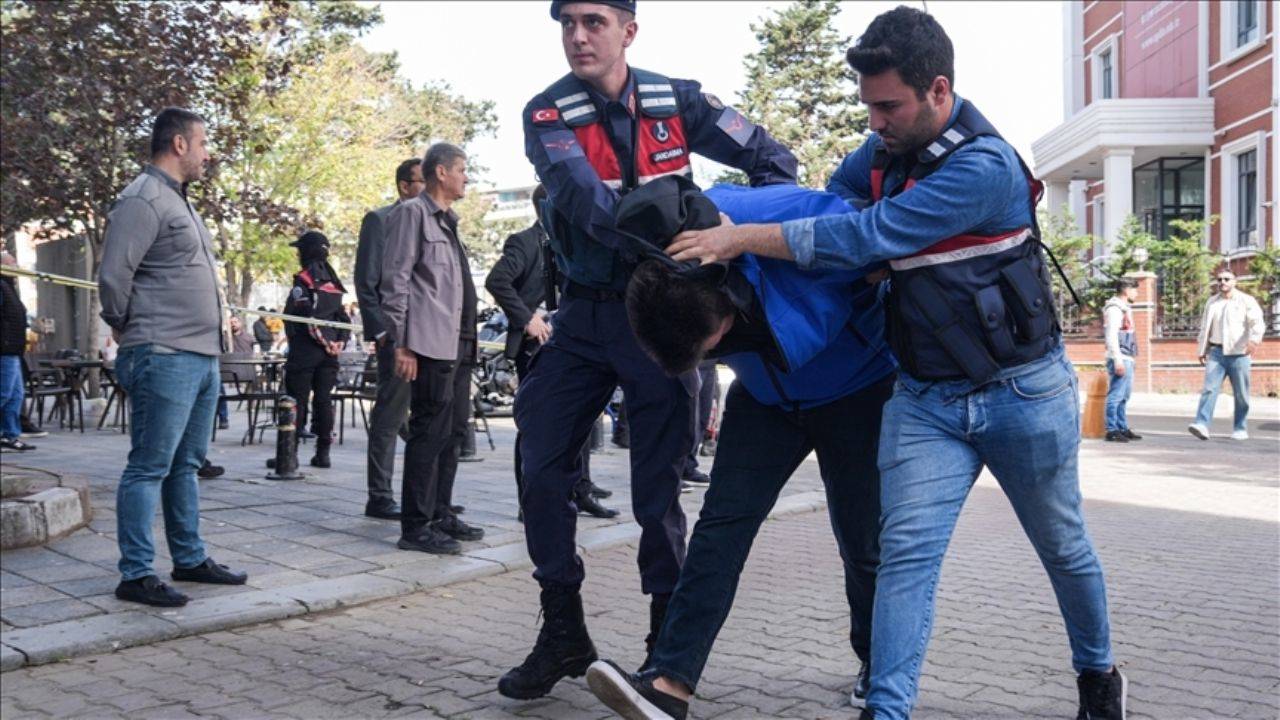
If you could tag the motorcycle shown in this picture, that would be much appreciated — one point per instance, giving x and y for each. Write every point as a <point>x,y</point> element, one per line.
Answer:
<point>495,373</point>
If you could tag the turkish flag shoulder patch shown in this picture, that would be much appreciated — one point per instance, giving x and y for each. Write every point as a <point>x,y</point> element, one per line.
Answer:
<point>546,116</point>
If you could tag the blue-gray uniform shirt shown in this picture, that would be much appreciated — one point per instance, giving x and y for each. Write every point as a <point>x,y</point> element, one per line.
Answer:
<point>712,129</point>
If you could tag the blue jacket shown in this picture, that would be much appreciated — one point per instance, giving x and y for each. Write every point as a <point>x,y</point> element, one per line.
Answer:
<point>827,326</point>
<point>980,189</point>
<point>586,203</point>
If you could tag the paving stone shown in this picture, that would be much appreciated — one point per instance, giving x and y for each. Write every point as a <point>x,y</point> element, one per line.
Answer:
<point>13,598</point>
<point>99,633</point>
<point>48,612</point>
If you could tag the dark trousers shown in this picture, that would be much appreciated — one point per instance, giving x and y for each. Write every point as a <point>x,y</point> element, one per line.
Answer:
<point>431,440</point>
<point>570,380</point>
<point>527,348</point>
<point>760,447</point>
<point>461,425</point>
<point>708,389</point>
<point>313,385</point>
<point>390,409</point>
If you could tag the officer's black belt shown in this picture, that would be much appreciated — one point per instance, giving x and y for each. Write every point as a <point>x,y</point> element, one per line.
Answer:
<point>586,292</point>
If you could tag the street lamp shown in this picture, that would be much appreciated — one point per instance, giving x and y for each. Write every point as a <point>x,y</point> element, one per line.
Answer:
<point>1140,256</point>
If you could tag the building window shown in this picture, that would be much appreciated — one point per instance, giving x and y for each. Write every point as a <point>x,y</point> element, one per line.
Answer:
<point>1106,75</point>
<point>1104,71</point>
<point>1247,199</point>
<point>1166,190</point>
<point>1246,22</point>
<point>1242,22</point>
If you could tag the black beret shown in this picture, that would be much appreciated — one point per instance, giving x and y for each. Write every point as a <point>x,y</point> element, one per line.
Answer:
<point>628,5</point>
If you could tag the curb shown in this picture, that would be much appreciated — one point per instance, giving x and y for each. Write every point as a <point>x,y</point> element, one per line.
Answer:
<point>116,631</point>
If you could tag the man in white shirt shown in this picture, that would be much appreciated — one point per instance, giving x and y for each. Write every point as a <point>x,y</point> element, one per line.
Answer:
<point>1122,348</point>
<point>1230,331</point>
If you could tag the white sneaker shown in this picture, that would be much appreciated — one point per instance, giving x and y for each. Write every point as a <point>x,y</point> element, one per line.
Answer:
<point>1198,430</point>
<point>1240,435</point>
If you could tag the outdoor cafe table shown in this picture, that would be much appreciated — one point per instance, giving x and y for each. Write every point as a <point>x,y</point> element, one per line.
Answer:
<point>75,370</point>
<point>267,374</point>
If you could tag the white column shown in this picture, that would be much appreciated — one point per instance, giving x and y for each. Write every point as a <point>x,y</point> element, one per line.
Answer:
<point>1056,198</point>
<point>1076,203</point>
<point>1117,178</point>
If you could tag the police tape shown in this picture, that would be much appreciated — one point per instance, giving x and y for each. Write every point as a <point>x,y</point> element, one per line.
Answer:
<point>66,281</point>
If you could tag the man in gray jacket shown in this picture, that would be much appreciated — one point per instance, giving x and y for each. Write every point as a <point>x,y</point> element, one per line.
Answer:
<point>392,404</point>
<point>159,291</point>
<point>429,302</point>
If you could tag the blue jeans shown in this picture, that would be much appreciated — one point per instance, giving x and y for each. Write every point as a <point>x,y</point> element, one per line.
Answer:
<point>760,448</point>
<point>172,395</point>
<point>936,438</point>
<point>1118,394</point>
<point>1216,367</point>
<point>10,396</point>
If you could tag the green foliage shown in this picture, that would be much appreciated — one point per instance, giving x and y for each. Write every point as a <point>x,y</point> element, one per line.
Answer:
<point>1182,262</point>
<point>310,127</point>
<point>800,89</point>
<point>1264,281</point>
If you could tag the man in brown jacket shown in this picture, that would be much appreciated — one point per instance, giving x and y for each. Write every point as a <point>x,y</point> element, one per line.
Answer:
<point>429,301</point>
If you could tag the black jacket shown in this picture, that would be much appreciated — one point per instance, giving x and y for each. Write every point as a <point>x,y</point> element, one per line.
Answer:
<point>368,273</point>
<point>13,319</point>
<point>517,283</point>
<point>262,335</point>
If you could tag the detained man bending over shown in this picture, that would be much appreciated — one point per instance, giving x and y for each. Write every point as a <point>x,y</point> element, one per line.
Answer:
<point>813,371</point>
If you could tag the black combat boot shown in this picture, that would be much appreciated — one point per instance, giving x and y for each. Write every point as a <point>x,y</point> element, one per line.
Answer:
<point>321,458</point>
<point>563,648</point>
<point>657,615</point>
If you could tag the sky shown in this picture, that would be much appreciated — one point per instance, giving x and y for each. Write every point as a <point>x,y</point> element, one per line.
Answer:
<point>1008,57</point>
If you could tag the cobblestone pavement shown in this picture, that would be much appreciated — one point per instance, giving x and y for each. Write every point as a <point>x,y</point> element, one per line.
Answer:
<point>285,535</point>
<point>1188,533</point>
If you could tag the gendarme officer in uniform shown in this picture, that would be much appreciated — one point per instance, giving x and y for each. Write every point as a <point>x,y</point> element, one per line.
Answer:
<point>592,135</point>
<point>984,377</point>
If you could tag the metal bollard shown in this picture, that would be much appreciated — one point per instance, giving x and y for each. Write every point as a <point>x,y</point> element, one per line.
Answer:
<point>285,466</point>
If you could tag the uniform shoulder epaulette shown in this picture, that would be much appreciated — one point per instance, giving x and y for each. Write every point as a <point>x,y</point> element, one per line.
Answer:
<point>655,94</point>
<point>969,125</point>
<point>572,101</point>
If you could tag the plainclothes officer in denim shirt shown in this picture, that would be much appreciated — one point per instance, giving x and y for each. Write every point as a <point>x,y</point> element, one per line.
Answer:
<point>592,135</point>
<point>984,379</point>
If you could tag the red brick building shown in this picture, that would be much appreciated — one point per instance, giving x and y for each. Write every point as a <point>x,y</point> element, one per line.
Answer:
<point>1169,112</point>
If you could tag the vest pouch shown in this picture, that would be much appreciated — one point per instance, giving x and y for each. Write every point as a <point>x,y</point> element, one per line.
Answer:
<point>1030,305</point>
<point>949,329</point>
<point>989,303</point>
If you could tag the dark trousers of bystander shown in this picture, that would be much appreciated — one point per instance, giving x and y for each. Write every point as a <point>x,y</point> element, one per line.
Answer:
<point>431,441</point>
<point>312,387</point>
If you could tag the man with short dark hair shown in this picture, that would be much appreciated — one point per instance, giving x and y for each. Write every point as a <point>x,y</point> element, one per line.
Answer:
<point>984,378</point>
<point>1122,348</point>
<point>391,406</point>
<point>599,131</point>
<point>159,290</point>
<point>801,386</point>
<point>428,301</point>
<point>1231,329</point>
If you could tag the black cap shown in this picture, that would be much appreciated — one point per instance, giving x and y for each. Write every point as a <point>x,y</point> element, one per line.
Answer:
<point>310,238</point>
<point>628,5</point>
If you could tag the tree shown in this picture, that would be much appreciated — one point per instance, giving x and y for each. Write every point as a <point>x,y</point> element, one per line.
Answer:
<point>82,82</point>
<point>801,90</point>
<point>314,125</point>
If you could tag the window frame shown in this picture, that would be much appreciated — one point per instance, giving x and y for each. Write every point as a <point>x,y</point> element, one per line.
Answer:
<point>1230,48</point>
<point>1229,176</point>
<point>1108,47</point>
